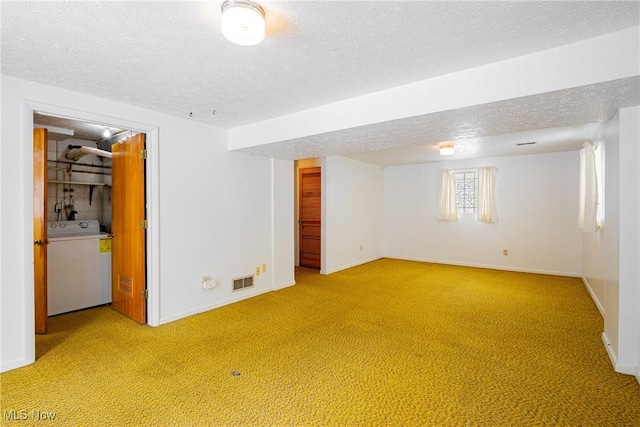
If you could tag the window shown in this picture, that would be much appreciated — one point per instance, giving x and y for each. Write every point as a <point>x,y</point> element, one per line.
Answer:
<point>467,191</point>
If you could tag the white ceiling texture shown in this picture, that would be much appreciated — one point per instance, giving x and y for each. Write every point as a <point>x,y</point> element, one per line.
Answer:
<point>171,57</point>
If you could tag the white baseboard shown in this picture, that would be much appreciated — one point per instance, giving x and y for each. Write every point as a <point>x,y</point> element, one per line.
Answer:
<point>351,265</point>
<point>625,369</point>
<point>490,267</point>
<point>638,374</point>
<point>619,368</point>
<point>235,297</point>
<point>607,345</point>
<point>15,364</point>
<point>593,296</point>
<point>203,308</point>
<point>284,285</point>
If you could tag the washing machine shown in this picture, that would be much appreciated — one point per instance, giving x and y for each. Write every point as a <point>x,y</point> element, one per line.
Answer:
<point>78,266</point>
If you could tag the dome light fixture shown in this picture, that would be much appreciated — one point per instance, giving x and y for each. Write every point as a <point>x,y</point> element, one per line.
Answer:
<point>447,149</point>
<point>242,22</point>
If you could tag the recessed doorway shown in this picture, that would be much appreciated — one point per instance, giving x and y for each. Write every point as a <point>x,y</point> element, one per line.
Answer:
<point>79,188</point>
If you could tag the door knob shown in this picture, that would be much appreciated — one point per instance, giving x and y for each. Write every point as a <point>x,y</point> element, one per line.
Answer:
<point>37,242</point>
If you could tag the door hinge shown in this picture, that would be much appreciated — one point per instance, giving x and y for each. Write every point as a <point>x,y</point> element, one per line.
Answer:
<point>145,294</point>
<point>144,224</point>
<point>143,154</point>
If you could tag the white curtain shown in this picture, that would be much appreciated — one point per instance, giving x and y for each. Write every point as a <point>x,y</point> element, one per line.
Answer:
<point>447,210</point>
<point>487,211</point>
<point>588,209</point>
<point>598,152</point>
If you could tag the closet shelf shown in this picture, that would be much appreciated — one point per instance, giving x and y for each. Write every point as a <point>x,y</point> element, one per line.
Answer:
<point>98,184</point>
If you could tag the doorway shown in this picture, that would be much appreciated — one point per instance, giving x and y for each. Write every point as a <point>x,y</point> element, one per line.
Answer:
<point>310,217</point>
<point>84,192</point>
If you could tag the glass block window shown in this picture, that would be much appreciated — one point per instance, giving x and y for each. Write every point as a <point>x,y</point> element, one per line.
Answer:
<point>467,191</point>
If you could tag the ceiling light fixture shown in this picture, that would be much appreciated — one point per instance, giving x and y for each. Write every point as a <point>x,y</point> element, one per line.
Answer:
<point>242,22</point>
<point>106,133</point>
<point>447,149</point>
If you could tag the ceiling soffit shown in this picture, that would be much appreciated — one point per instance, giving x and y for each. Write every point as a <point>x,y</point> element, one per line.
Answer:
<point>419,136</point>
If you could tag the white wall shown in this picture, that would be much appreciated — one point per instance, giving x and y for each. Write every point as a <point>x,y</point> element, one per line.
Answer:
<point>593,268</point>
<point>537,202</point>
<point>211,211</point>
<point>612,257</point>
<point>215,220</point>
<point>629,318</point>
<point>351,213</point>
<point>623,295</point>
<point>611,237</point>
<point>283,262</point>
<point>631,117</point>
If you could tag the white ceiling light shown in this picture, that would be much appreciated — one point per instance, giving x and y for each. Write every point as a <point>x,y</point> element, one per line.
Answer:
<point>106,133</point>
<point>447,149</point>
<point>242,22</point>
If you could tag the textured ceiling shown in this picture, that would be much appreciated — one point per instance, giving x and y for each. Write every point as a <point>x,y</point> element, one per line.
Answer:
<point>170,56</point>
<point>558,121</point>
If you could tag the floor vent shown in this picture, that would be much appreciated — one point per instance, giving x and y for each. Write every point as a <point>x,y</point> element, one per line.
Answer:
<point>242,282</point>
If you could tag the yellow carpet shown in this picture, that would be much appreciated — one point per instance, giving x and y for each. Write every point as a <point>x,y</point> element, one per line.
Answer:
<point>389,343</point>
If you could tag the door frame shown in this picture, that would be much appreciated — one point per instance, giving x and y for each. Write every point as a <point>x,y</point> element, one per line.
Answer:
<point>301,172</point>
<point>151,188</point>
<point>305,164</point>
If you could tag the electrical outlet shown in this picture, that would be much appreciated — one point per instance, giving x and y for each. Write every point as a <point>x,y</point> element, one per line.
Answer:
<point>505,252</point>
<point>257,271</point>
<point>208,282</point>
<point>264,268</point>
<point>360,248</point>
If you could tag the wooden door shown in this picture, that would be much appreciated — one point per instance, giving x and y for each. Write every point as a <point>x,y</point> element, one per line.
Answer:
<point>128,227</point>
<point>309,217</point>
<point>40,142</point>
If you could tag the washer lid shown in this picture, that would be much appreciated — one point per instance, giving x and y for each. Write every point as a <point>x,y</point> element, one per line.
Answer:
<point>73,228</point>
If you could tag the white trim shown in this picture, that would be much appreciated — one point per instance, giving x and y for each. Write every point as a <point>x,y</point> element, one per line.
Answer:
<point>351,265</point>
<point>29,349</point>
<point>593,296</point>
<point>621,369</point>
<point>236,297</point>
<point>284,285</point>
<point>490,267</point>
<point>324,220</point>
<point>152,190</point>
<point>14,364</point>
<point>3,366</point>
<point>272,228</point>
<point>153,230</point>
<point>607,346</point>
<point>60,111</point>
<point>625,369</point>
